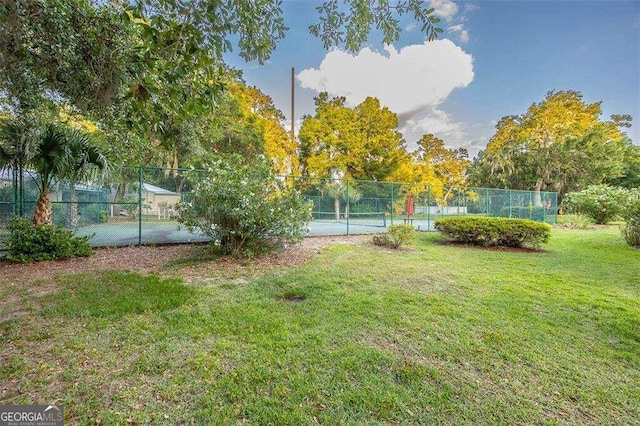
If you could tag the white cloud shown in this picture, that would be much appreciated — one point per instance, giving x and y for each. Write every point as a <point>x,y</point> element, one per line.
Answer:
<point>438,122</point>
<point>411,27</point>
<point>463,33</point>
<point>412,82</point>
<point>444,9</point>
<point>407,80</point>
<point>471,7</point>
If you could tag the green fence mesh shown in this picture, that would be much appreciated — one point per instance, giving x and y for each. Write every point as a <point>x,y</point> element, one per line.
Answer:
<point>136,205</point>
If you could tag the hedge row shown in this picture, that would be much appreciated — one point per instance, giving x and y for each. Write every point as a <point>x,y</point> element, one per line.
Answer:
<point>494,231</point>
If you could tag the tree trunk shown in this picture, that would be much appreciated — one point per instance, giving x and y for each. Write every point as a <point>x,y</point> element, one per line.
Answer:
<point>537,196</point>
<point>74,215</point>
<point>71,214</point>
<point>42,213</point>
<point>336,206</point>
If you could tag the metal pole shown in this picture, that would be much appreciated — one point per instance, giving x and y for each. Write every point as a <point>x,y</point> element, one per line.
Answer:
<point>15,190</point>
<point>392,206</point>
<point>487,192</point>
<point>348,211</point>
<point>293,89</point>
<point>429,207</point>
<point>140,205</point>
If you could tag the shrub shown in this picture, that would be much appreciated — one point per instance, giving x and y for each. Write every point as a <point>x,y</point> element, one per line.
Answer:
<point>45,241</point>
<point>602,203</point>
<point>396,236</point>
<point>631,215</point>
<point>243,208</point>
<point>494,231</point>
<point>575,221</point>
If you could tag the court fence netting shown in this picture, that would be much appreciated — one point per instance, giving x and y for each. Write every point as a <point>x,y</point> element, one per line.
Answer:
<point>137,205</point>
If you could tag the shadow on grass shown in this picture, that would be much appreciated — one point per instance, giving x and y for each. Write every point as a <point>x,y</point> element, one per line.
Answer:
<point>114,295</point>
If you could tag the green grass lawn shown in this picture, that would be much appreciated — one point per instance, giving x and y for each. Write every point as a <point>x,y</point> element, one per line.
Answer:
<point>359,335</point>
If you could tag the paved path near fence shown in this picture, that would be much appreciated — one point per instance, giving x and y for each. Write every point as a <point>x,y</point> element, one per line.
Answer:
<point>127,233</point>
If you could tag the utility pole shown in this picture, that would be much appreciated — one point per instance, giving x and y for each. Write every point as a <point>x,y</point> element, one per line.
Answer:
<point>293,88</point>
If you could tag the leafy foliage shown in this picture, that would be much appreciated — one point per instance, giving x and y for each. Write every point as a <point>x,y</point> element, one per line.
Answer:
<point>559,144</point>
<point>435,165</point>
<point>631,215</point>
<point>396,236</point>
<point>575,221</point>
<point>602,203</point>
<point>355,143</point>
<point>337,26</point>
<point>29,241</point>
<point>53,152</point>
<point>74,50</point>
<point>494,231</point>
<point>244,208</point>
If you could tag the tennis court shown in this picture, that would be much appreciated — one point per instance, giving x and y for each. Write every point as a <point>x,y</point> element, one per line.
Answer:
<point>169,232</point>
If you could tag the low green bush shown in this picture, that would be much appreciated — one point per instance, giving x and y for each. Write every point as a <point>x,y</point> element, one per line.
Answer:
<point>575,221</point>
<point>631,215</point>
<point>396,236</point>
<point>28,242</point>
<point>494,231</point>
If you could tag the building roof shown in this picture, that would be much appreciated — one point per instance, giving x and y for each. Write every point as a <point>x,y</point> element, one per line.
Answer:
<point>157,190</point>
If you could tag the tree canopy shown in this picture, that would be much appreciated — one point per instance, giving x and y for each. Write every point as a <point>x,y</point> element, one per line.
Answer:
<point>356,143</point>
<point>559,144</point>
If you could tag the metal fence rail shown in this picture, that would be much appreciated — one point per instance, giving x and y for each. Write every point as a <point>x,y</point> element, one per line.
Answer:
<point>136,205</point>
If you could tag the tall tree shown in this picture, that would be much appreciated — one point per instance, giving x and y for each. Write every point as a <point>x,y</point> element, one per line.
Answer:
<point>53,154</point>
<point>559,144</point>
<point>449,165</point>
<point>357,143</point>
<point>160,56</point>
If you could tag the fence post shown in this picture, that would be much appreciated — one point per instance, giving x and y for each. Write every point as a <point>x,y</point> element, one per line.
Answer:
<point>510,205</point>
<point>428,207</point>
<point>139,205</point>
<point>392,204</point>
<point>15,190</point>
<point>487,192</point>
<point>348,207</point>
<point>21,188</point>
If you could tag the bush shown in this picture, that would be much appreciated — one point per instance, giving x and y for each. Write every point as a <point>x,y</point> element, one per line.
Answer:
<point>631,215</point>
<point>244,209</point>
<point>575,221</point>
<point>602,203</point>
<point>29,242</point>
<point>396,236</point>
<point>494,231</point>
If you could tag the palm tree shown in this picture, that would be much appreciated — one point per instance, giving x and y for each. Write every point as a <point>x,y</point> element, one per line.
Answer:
<point>56,153</point>
<point>338,192</point>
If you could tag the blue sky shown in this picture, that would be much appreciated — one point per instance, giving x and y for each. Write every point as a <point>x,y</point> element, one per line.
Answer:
<point>495,58</point>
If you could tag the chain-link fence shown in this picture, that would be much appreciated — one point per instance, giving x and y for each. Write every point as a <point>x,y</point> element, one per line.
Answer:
<point>137,205</point>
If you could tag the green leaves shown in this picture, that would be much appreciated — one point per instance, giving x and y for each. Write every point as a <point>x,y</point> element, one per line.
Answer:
<point>243,208</point>
<point>559,144</point>
<point>494,231</point>
<point>338,26</point>
<point>358,143</point>
<point>602,203</point>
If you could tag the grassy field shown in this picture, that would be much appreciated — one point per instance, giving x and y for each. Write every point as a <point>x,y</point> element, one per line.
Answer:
<point>359,335</point>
